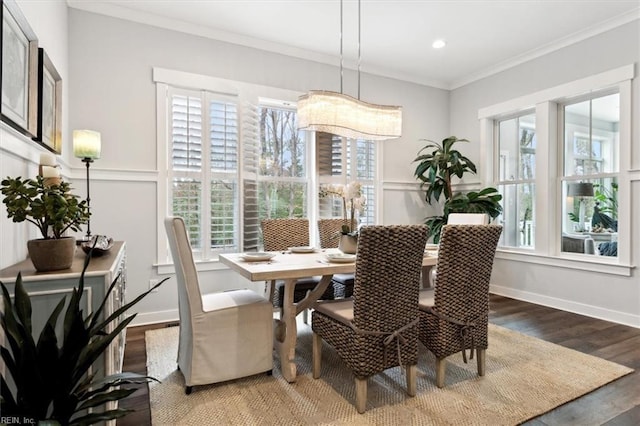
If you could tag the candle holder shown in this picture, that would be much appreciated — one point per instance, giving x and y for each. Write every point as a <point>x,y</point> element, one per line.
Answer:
<point>87,146</point>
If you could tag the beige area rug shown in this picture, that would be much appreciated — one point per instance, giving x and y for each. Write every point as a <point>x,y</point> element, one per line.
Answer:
<point>525,377</point>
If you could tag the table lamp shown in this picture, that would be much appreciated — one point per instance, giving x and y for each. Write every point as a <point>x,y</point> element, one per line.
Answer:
<point>86,146</point>
<point>580,190</point>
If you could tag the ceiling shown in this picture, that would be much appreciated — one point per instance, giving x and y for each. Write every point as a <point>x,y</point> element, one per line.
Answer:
<point>483,36</point>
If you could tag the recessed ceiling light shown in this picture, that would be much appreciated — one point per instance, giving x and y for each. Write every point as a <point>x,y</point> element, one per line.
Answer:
<point>439,44</point>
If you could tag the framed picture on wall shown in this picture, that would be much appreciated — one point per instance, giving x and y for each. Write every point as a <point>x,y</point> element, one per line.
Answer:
<point>19,71</point>
<point>49,104</point>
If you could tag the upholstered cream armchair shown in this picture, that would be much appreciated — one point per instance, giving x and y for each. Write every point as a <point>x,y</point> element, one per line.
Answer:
<point>223,336</point>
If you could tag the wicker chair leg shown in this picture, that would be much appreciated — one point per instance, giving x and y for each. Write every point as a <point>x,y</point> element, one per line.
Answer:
<point>272,289</point>
<point>361,395</point>
<point>411,380</point>
<point>441,368</point>
<point>481,354</point>
<point>316,355</point>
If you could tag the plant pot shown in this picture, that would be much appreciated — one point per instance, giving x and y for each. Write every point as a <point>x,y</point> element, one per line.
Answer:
<point>52,254</point>
<point>348,243</point>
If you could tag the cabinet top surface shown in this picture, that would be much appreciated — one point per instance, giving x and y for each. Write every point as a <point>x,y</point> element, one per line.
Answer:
<point>98,266</point>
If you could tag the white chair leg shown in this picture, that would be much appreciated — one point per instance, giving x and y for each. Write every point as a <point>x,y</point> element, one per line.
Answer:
<point>361,395</point>
<point>441,368</point>
<point>411,379</point>
<point>316,355</point>
<point>481,355</point>
<point>305,316</point>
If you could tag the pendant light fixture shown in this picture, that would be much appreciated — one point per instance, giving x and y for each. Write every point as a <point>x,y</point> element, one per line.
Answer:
<point>343,115</point>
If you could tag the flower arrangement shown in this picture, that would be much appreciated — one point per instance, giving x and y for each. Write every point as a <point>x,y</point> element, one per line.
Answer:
<point>353,201</point>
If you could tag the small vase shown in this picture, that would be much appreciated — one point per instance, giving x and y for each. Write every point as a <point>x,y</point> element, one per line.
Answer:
<point>348,243</point>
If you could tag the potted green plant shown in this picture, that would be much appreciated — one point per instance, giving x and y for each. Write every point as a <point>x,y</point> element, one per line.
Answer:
<point>49,381</point>
<point>53,209</point>
<point>436,168</point>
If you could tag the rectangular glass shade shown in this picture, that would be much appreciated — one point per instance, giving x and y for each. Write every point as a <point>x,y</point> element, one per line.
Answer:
<point>86,144</point>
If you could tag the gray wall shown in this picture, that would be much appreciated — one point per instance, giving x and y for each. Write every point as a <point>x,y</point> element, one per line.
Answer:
<point>20,156</point>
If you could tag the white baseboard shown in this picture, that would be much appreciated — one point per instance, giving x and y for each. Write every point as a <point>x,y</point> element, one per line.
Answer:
<point>569,306</point>
<point>552,302</point>
<point>154,317</point>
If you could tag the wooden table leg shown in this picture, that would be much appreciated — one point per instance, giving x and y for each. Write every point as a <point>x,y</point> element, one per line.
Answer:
<point>287,330</point>
<point>287,347</point>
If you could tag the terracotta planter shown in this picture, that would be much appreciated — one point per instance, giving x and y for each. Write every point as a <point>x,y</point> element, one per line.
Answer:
<point>52,254</point>
<point>348,243</point>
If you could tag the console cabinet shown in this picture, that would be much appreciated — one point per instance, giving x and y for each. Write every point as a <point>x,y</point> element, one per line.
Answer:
<point>47,288</point>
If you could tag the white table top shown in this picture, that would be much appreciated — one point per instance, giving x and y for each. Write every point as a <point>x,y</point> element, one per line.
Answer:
<point>297,265</point>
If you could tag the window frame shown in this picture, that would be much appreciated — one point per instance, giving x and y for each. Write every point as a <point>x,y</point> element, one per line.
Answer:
<point>206,174</point>
<point>516,181</point>
<point>548,169</point>
<point>248,95</point>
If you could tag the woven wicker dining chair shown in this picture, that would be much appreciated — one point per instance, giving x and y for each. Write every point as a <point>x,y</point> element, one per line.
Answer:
<point>330,231</point>
<point>460,219</point>
<point>454,316</point>
<point>378,328</point>
<point>279,235</point>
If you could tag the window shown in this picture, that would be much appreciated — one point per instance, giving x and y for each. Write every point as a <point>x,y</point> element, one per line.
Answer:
<point>516,179</point>
<point>282,188</point>
<point>564,154</point>
<point>282,176</point>
<point>340,161</point>
<point>230,154</point>
<point>590,174</point>
<point>204,169</point>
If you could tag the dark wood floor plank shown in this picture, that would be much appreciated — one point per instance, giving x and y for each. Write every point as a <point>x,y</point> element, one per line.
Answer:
<point>615,404</point>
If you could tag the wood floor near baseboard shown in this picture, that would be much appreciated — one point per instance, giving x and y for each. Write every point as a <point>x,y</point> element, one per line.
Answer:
<point>618,402</point>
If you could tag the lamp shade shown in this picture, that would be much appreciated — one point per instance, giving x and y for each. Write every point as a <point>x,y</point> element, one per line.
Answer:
<point>580,189</point>
<point>342,115</point>
<point>86,144</point>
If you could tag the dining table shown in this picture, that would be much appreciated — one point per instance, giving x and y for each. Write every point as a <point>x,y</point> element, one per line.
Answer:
<point>290,266</point>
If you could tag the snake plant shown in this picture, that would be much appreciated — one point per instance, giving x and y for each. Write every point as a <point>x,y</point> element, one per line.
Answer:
<point>49,379</point>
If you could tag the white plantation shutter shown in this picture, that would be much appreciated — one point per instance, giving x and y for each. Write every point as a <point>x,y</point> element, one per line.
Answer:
<point>341,160</point>
<point>366,171</point>
<point>186,163</point>
<point>204,169</point>
<point>250,162</point>
<point>223,137</point>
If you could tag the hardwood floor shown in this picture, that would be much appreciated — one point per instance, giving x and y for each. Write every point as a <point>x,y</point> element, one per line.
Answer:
<point>615,404</point>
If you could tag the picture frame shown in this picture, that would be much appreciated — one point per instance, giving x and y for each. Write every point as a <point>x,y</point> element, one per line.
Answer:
<point>19,71</point>
<point>49,133</point>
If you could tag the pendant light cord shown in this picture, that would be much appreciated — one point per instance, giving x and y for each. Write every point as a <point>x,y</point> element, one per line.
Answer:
<point>359,14</point>
<point>341,60</point>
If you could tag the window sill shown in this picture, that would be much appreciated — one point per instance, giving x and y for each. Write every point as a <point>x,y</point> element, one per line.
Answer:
<point>201,266</point>
<point>582,262</point>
